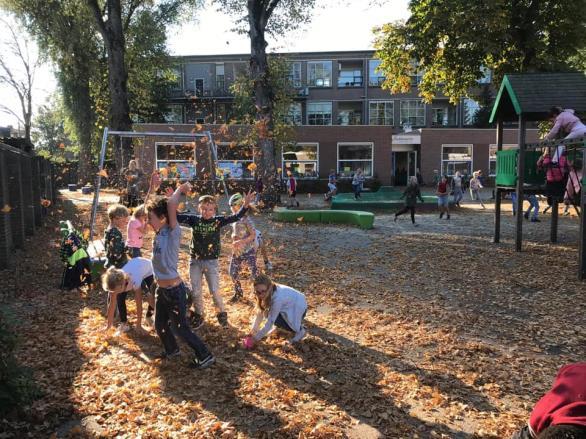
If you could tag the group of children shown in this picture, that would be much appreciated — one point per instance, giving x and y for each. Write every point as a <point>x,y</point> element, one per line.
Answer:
<point>159,279</point>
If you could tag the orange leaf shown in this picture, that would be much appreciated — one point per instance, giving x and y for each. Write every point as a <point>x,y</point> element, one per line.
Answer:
<point>6,208</point>
<point>252,167</point>
<point>103,173</point>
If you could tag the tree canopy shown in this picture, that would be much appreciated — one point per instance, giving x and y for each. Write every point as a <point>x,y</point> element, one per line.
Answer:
<point>454,41</point>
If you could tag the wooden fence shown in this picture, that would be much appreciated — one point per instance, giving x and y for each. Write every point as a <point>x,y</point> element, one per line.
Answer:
<point>25,180</point>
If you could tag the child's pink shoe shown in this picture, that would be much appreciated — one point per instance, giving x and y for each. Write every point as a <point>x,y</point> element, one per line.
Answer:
<point>248,342</point>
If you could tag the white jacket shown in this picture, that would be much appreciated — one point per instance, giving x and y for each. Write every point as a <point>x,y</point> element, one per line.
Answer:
<point>286,301</point>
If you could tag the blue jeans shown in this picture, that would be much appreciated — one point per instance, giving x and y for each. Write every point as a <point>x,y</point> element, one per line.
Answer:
<point>458,195</point>
<point>356,188</point>
<point>248,258</point>
<point>533,204</point>
<point>134,252</point>
<point>172,309</point>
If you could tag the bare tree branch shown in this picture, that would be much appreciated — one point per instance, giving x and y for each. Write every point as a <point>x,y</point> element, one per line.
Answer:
<point>5,109</point>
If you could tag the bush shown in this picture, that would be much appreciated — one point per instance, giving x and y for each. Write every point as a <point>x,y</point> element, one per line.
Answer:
<point>17,387</point>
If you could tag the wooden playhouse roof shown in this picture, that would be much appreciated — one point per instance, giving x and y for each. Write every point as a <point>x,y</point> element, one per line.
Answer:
<point>533,94</point>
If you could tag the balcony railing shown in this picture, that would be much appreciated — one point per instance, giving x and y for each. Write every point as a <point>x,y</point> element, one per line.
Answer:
<point>350,81</point>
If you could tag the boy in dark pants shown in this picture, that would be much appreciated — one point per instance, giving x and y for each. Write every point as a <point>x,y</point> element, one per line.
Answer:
<point>171,291</point>
<point>205,251</point>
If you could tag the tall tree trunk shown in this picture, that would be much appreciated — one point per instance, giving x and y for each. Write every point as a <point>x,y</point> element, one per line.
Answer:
<point>264,154</point>
<point>112,31</point>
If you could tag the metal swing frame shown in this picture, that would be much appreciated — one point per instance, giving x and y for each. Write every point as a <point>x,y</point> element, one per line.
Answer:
<point>142,134</point>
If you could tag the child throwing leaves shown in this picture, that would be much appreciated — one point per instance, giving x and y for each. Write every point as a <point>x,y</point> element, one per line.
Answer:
<point>205,251</point>
<point>135,231</point>
<point>136,276</point>
<point>244,246</point>
<point>113,240</point>
<point>280,306</point>
<point>171,292</point>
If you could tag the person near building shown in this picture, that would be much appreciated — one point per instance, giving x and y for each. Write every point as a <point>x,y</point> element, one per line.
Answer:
<point>357,182</point>
<point>443,197</point>
<point>457,190</point>
<point>292,189</point>
<point>475,186</point>
<point>332,186</point>
<point>410,194</point>
<point>134,180</point>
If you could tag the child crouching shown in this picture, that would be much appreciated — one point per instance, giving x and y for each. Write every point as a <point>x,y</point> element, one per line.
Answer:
<point>281,306</point>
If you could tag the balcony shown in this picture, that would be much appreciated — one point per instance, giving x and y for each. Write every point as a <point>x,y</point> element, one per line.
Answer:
<point>444,115</point>
<point>349,113</point>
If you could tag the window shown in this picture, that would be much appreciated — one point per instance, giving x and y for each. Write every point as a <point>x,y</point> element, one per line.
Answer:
<point>319,113</point>
<point>350,74</point>
<point>220,78</point>
<point>416,78</point>
<point>470,109</point>
<point>443,114</point>
<point>375,79</point>
<point>413,112</point>
<point>456,158</point>
<point>492,157</point>
<point>349,113</point>
<point>294,115</point>
<point>301,160</point>
<point>176,159</point>
<point>319,73</point>
<point>174,114</point>
<point>234,161</point>
<point>177,84</point>
<point>352,156</point>
<point>295,74</point>
<point>198,84</point>
<point>381,113</point>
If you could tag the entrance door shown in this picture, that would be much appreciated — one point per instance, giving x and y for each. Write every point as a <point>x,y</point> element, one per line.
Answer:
<point>412,163</point>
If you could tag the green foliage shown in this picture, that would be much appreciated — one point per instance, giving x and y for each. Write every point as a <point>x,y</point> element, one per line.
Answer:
<point>17,387</point>
<point>53,135</point>
<point>283,94</point>
<point>452,40</point>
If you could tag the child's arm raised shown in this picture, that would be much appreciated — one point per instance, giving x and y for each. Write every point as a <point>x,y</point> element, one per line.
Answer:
<point>225,220</point>
<point>173,203</point>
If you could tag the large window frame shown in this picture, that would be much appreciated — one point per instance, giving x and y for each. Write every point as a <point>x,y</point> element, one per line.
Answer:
<point>220,77</point>
<point>348,172</point>
<point>183,168</point>
<point>318,115</point>
<point>174,112</point>
<point>290,165</point>
<point>451,163</point>
<point>492,149</point>
<point>316,77</point>
<point>374,79</point>
<point>234,168</point>
<point>295,74</point>
<point>406,105</point>
<point>384,112</point>
<point>470,108</point>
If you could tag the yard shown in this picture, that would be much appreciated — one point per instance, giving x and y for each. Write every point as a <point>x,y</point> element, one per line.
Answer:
<point>422,332</point>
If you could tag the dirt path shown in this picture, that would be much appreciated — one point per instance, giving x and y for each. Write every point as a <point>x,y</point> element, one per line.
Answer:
<point>414,332</point>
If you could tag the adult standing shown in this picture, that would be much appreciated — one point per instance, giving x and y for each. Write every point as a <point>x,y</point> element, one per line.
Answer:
<point>443,197</point>
<point>411,194</point>
<point>357,182</point>
<point>134,179</point>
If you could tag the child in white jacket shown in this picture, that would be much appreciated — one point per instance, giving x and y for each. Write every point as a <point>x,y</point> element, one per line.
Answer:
<point>281,306</point>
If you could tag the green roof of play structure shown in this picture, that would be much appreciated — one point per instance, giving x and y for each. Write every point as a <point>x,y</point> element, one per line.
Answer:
<point>533,94</point>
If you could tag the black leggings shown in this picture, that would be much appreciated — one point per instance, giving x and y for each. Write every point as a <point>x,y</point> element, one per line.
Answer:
<point>405,210</point>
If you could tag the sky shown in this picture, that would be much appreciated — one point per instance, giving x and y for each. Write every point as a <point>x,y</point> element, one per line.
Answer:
<point>334,27</point>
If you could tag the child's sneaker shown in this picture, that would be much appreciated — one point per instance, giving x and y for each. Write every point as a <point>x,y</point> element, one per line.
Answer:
<point>223,318</point>
<point>203,364</point>
<point>196,321</point>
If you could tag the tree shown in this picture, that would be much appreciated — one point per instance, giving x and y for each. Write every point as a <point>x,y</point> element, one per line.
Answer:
<point>20,79</point>
<point>50,134</point>
<point>113,20</point>
<point>453,40</point>
<point>260,17</point>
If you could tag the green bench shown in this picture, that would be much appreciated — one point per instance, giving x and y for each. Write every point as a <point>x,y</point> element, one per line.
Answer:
<point>364,220</point>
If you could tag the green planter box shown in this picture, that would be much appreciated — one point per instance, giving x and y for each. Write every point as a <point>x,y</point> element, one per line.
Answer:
<point>506,168</point>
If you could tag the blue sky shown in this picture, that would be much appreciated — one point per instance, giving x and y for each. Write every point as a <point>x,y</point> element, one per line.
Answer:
<point>334,27</point>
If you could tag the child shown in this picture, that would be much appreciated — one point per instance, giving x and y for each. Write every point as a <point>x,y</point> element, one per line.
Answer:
<point>292,189</point>
<point>281,306</point>
<point>135,231</point>
<point>332,188</point>
<point>113,240</point>
<point>205,251</point>
<point>171,291</point>
<point>244,247</point>
<point>357,182</point>
<point>475,186</point>
<point>137,276</point>
<point>443,197</point>
<point>561,412</point>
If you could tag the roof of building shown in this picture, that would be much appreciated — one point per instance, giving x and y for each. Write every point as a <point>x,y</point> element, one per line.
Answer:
<point>245,57</point>
<point>533,94</point>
